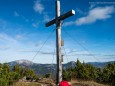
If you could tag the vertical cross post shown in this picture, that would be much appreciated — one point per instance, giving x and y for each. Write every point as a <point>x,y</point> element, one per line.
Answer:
<point>58,43</point>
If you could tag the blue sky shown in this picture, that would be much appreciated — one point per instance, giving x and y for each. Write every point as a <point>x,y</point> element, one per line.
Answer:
<point>89,35</point>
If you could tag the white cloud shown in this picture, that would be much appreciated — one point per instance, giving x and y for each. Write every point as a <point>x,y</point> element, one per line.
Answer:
<point>92,6</point>
<point>79,53</point>
<point>69,23</point>
<point>35,25</point>
<point>99,13</point>
<point>20,37</point>
<point>16,14</point>
<point>4,38</point>
<point>4,48</point>
<point>38,7</point>
<point>23,17</point>
<point>81,12</point>
<point>46,18</point>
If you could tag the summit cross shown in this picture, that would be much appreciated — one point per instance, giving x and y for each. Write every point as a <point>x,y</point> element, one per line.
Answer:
<point>57,21</point>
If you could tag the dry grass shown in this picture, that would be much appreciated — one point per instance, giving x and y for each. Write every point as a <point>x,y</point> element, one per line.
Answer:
<point>31,84</point>
<point>87,83</point>
<point>27,84</point>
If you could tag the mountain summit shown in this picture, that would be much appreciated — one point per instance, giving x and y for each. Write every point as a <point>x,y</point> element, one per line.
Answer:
<point>21,62</point>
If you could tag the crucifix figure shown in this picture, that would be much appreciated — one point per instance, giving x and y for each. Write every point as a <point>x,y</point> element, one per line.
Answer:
<point>57,21</point>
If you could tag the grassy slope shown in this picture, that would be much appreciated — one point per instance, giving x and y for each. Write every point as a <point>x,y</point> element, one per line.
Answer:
<point>83,83</point>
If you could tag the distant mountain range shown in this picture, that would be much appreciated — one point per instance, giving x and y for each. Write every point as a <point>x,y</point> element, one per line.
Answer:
<point>41,69</point>
<point>100,64</point>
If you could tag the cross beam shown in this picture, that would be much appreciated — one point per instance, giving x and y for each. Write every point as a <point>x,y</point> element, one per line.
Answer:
<point>57,21</point>
<point>62,17</point>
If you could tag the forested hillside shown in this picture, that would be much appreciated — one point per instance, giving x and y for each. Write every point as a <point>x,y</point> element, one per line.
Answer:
<point>9,76</point>
<point>88,72</point>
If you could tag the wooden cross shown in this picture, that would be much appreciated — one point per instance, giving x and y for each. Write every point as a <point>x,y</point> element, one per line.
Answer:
<point>57,21</point>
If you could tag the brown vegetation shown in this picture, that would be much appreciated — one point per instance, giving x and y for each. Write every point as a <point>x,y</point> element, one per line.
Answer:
<point>87,83</point>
